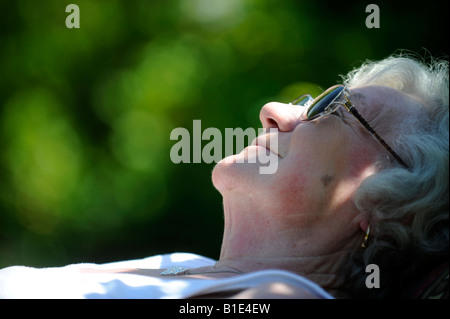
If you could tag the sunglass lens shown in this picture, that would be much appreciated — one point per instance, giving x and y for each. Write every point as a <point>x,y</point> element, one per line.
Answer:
<point>323,101</point>
<point>303,100</point>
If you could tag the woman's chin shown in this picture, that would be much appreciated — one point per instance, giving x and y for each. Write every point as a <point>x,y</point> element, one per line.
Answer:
<point>232,169</point>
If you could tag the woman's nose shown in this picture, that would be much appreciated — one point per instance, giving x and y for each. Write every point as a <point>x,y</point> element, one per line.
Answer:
<point>284,117</point>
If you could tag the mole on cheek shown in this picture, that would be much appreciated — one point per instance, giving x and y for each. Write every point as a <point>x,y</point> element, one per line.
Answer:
<point>326,180</point>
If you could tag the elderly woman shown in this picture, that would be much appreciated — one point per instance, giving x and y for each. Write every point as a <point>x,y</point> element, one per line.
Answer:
<point>362,179</point>
<point>342,199</point>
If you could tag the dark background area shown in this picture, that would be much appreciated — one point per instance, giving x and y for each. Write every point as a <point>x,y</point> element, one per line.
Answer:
<point>86,114</point>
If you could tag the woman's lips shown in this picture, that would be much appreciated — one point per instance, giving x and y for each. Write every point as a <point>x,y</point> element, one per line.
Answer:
<point>264,141</point>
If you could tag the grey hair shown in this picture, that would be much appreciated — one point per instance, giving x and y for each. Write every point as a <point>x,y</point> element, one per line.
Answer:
<point>407,207</point>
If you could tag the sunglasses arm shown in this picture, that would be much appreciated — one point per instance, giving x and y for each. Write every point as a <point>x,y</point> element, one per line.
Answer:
<point>348,105</point>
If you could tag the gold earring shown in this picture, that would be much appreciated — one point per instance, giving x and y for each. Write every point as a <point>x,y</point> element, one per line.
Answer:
<point>366,237</point>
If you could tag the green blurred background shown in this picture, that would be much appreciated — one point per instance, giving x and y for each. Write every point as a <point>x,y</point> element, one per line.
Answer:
<point>86,114</point>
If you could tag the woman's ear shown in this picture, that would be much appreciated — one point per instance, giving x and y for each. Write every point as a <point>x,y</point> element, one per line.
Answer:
<point>364,224</point>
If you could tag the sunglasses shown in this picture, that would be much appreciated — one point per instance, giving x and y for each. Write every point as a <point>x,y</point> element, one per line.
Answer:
<point>328,102</point>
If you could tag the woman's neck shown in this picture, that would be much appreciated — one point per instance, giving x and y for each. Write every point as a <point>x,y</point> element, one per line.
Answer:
<point>323,270</point>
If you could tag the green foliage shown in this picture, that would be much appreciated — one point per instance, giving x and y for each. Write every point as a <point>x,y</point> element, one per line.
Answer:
<point>86,114</point>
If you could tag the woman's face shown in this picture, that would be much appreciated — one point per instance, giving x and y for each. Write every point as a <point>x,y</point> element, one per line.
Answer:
<point>321,163</point>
